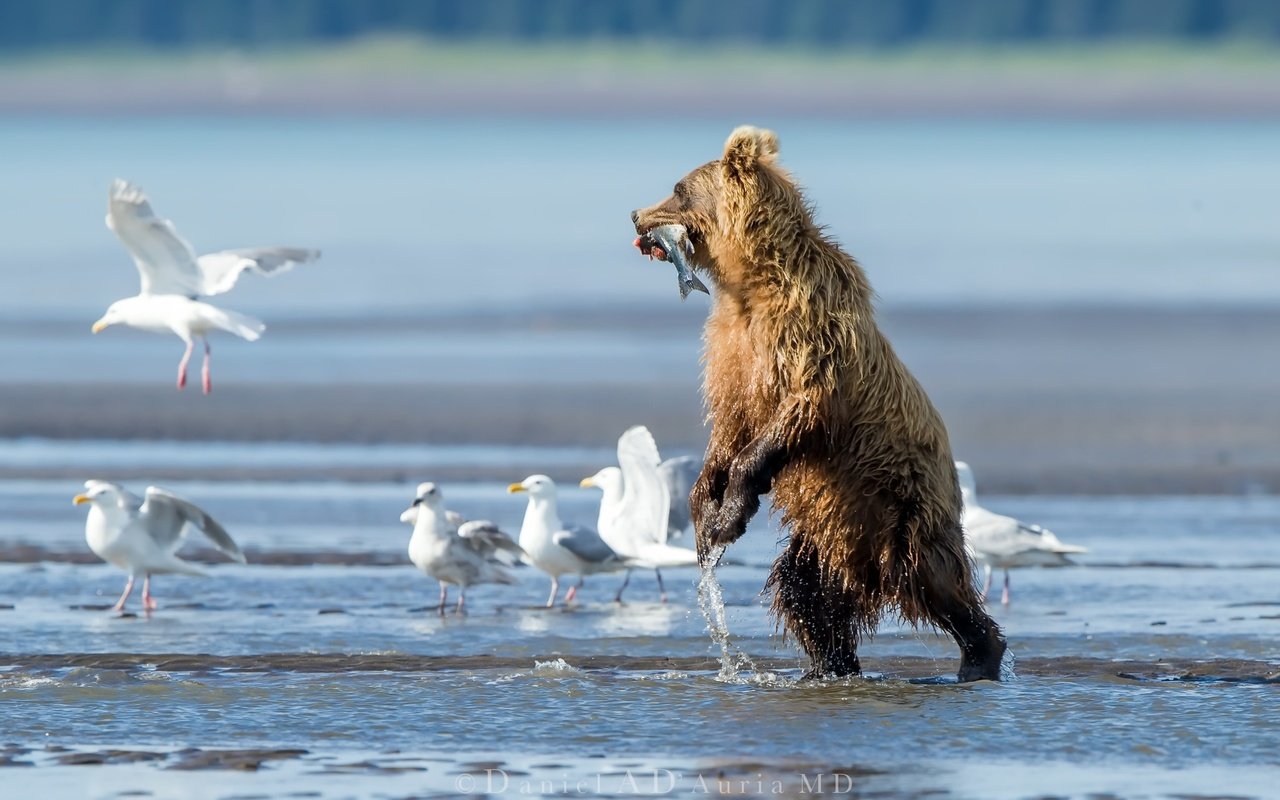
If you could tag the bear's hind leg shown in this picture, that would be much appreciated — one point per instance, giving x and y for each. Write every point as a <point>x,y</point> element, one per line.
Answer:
<point>981,644</point>
<point>952,603</point>
<point>822,617</point>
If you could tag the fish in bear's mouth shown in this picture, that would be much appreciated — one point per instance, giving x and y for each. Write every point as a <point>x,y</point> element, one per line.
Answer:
<point>671,243</point>
<point>647,246</point>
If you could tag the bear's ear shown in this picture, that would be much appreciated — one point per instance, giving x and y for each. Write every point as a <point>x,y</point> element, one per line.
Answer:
<point>747,146</point>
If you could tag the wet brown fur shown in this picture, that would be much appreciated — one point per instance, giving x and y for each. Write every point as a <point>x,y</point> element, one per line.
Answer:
<point>807,399</point>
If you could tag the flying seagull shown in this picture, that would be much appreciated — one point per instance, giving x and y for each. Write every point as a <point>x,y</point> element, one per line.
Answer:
<point>141,535</point>
<point>174,278</point>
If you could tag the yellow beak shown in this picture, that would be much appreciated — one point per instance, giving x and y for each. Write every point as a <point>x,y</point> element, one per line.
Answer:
<point>587,483</point>
<point>80,498</point>
<point>100,326</point>
<point>516,487</point>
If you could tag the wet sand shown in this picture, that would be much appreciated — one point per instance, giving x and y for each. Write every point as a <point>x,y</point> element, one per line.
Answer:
<point>262,773</point>
<point>899,667</point>
<point>1089,401</point>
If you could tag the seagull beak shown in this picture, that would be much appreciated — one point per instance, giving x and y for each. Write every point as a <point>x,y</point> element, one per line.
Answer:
<point>100,326</point>
<point>587,483</point>
<point>80,498</point>
<point>516,487</point>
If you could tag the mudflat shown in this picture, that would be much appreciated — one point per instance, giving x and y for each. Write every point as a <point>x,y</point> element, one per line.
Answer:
<point>1077,400</point>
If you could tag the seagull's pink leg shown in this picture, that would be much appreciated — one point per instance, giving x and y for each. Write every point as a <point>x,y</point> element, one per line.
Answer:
<point>555,590</point>
<point>986,587</point>
<point>444,597</point>
<point>573,590</point>
<point>462,600</point>
<point>128,590</point>
<point>148,600</point>
<point>182,365</point>
<point>1004,597</point>
<point>205,379</point>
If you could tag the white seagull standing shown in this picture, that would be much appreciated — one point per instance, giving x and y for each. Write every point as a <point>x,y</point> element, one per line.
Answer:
<point>174,278</point>
<point>1002,542</point>
<point>558,549</point>
<point>456,552</point>
<point>634,508</point>
<point>141,536</point>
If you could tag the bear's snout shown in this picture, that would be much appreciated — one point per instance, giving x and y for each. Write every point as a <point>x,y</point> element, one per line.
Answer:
<point>641,227</point>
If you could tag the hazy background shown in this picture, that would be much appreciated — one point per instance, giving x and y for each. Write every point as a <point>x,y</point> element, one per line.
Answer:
<point>1068,210</point>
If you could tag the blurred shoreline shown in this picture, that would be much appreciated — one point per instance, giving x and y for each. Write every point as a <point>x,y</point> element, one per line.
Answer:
<point>1083,400</point>
<point>408,77</point>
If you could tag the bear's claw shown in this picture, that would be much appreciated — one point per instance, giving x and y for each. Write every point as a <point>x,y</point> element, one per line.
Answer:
<point>717,533</point>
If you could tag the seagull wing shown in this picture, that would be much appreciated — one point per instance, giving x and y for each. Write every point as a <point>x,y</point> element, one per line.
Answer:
<point>645,499</point>
<point>220,271</point>
<point>1006,541</point>
<point>679,475</point>
<point>1048,540</point>
<point>492,542</point>
<point>160,502</point>
<point>164,259</point>
<point>992,534</point>
<point>586,544</point>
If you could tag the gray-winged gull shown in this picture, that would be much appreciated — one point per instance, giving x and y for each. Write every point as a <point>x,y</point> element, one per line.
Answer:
<point>558,549</point>
<point>1002,542</point>
<point>142,535</point>
<point>634,508</point>
<point>455,552</point>
<point>174,278</point>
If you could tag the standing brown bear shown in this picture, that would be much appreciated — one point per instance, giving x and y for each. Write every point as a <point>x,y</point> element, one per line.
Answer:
<point>808,400</point>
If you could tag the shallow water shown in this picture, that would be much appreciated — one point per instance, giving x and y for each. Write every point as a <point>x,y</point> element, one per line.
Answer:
<point>423,214</point>
<point>1142,672</point>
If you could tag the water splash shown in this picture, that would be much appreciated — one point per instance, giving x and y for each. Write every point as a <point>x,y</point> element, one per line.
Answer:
<point>1007,664</point>
<point>733,662</point>
<point>557,667</point>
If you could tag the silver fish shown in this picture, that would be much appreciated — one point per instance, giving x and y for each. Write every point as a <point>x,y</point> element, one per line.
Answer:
<point>675,244</point>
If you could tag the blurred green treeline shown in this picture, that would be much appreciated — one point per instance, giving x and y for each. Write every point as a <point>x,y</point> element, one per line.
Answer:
<point>31,25</point>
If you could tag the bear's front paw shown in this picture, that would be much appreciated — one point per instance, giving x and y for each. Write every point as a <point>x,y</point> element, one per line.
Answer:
<point>720,530</point>
<point>704,512</point>
<point>703,525</point>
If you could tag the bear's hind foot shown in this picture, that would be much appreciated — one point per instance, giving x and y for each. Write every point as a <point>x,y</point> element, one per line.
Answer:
<point>833,669</point>
<point>986,666</point>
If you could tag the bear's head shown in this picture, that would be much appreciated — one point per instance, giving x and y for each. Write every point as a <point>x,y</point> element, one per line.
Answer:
<point>725,202</point>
